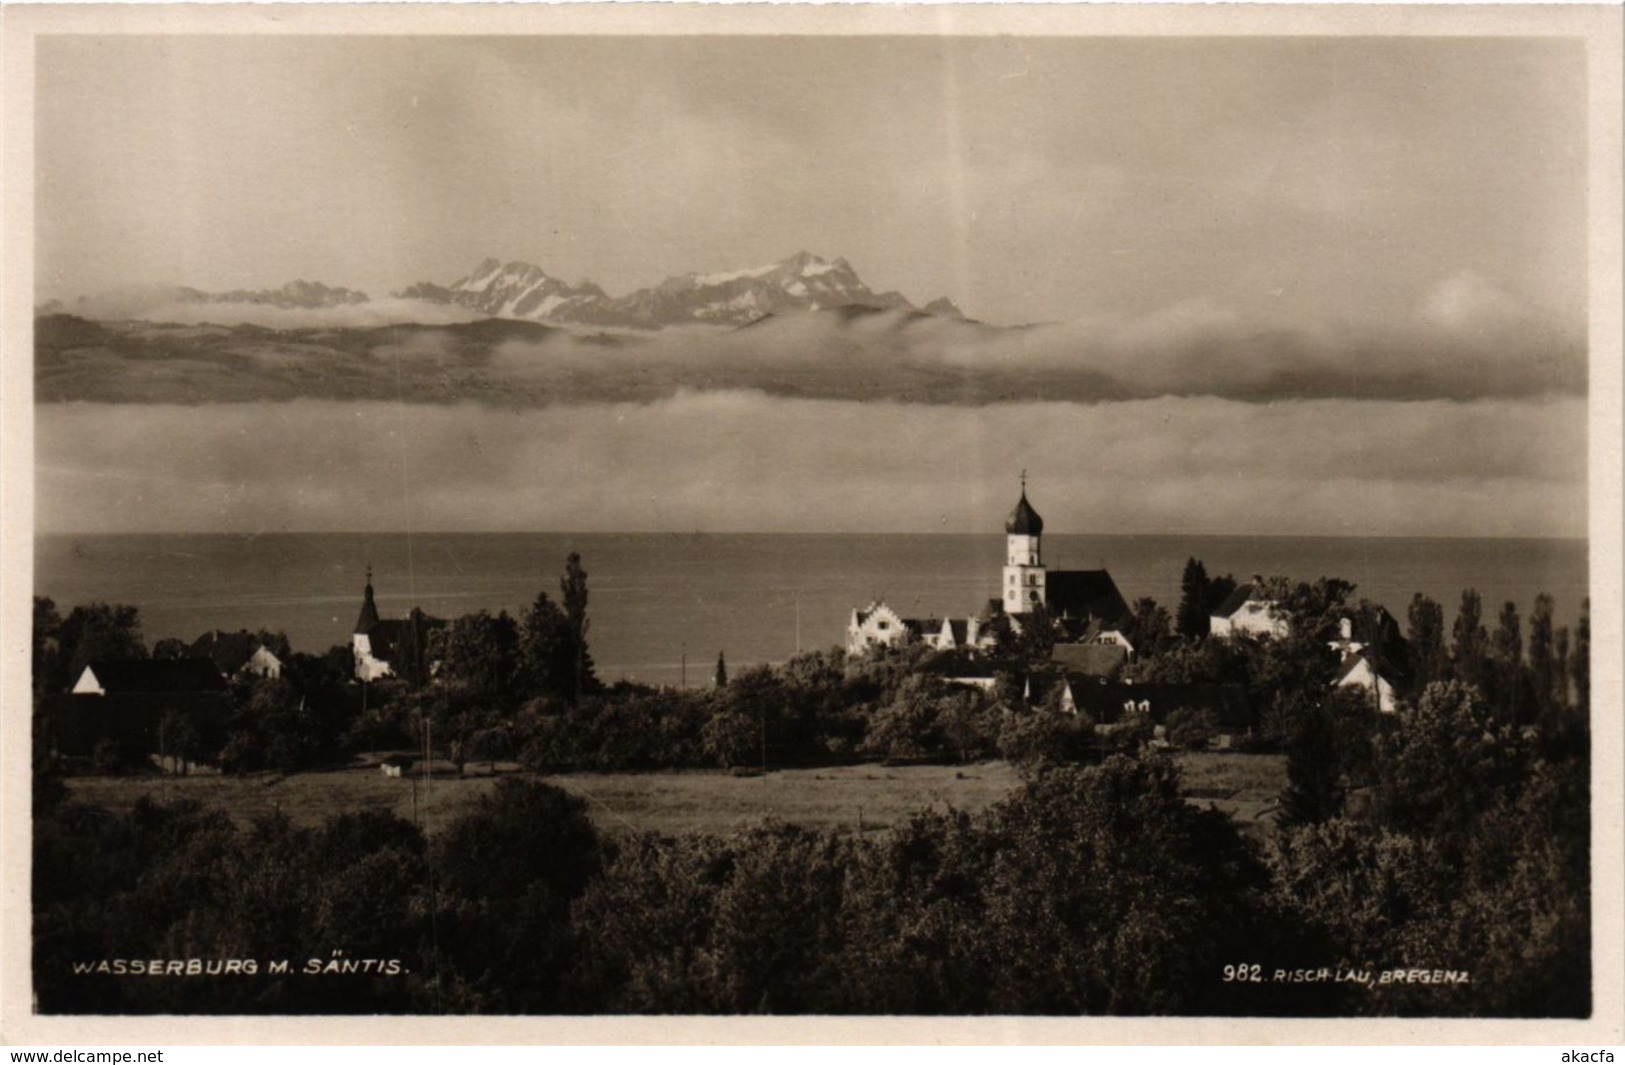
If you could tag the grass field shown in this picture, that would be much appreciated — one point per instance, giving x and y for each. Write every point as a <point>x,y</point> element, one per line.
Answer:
<point>843,797</point>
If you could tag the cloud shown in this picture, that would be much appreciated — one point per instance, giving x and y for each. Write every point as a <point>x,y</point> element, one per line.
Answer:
<point>741,461</point>
<point>1467,340</point>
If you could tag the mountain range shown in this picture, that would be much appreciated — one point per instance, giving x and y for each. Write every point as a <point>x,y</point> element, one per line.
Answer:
<point>524,291</point>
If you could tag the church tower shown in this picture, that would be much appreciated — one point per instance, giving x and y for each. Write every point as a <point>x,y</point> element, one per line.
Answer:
<point>1024,560</point>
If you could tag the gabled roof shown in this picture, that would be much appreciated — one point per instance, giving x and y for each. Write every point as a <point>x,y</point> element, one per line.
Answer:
<point>158,675</point>
<point>229,651</point>
<point>1237,599</point>
<point>1089,659</point>
<point>1390,672</point>
<point>863,615</point>
<point>1084,593</point>
<point>960,630</point>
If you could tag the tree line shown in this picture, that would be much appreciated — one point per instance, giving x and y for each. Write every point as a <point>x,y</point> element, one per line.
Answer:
<point>496,687</point>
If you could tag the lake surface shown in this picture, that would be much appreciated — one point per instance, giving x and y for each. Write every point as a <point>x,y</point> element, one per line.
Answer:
<point>658,600</point>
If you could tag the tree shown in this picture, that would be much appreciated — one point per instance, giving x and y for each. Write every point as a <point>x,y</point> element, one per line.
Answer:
<point>413,662</point>
<point>1314,789</point>
<point>1108,892</point>
<point>1506,657</point>
<point>1443,765</point>
<point>1425,633</point>
<point>546,654</point>
<point>97,632</point>
<point>1147,628</point>
<point>508,872</point>
<point>1580,661</point>
<point>573,594</point>
<point>720,678</point>
<point>1218,590</point>
<point>178,739</point>
<point>1036,640</point>
<point>47,646</point>
<point>273,727</point>
<point>1561,664</point>
<point>1543,665</point>
<point>1313,611</point>
<point>170,648</point>
<point>478,653</point>
<point>1470,643</point>
<point>1192,616</point>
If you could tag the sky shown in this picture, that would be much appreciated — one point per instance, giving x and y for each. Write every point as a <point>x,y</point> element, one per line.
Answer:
<point>1335,285</point>
<point>1026,179</point>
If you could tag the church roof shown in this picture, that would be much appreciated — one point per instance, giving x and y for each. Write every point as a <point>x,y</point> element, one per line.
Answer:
<point>389,639</point>
<point>1084,593</point>
<point>1024,520</point>
<point>368,617</point>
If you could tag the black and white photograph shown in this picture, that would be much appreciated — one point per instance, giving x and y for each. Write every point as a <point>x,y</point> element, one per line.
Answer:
<point>916,513</point>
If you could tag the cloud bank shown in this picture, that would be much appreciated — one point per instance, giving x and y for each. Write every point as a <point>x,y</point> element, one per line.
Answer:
<point>1466,339</point>
<point>744,461</point>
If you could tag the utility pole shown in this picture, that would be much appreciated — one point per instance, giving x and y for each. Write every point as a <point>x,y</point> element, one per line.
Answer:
<point>684,666</point>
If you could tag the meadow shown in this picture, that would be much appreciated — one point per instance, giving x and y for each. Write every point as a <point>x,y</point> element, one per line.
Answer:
<point>849,798</point>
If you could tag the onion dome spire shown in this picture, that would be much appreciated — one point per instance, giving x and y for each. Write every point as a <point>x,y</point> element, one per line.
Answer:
<point>1024,520</point>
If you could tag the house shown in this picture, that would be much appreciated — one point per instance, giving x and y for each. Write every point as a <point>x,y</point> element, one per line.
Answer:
<point>1361,672</point>
<point>878,625</point>
<point>1249,611</point>
<point>1112,702</point>
<point>1100,658</point>
<point>149,677</point>
<point>237,654</point>
<point>126,702</point>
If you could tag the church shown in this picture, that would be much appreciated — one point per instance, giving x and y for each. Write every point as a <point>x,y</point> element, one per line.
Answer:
<point>376,643</point>
<point>1085,605</point>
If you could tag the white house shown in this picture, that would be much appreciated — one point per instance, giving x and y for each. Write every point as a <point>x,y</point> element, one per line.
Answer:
<point>876,625</point>
<point>237,654</point>
<point>1248,611</point>
<point>1358,672</point>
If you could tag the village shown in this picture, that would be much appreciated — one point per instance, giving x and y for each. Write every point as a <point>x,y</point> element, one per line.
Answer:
<point>1068,640</point>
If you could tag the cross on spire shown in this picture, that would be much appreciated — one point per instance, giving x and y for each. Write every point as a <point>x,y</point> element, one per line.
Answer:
<point>1024,480</point>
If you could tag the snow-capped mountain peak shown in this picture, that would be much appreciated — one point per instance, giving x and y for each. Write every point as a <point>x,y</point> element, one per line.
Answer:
<point>516,290</point>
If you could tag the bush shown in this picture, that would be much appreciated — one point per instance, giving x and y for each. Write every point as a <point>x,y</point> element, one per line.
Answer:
<point>113,757</point>
<point>1191,729</point>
